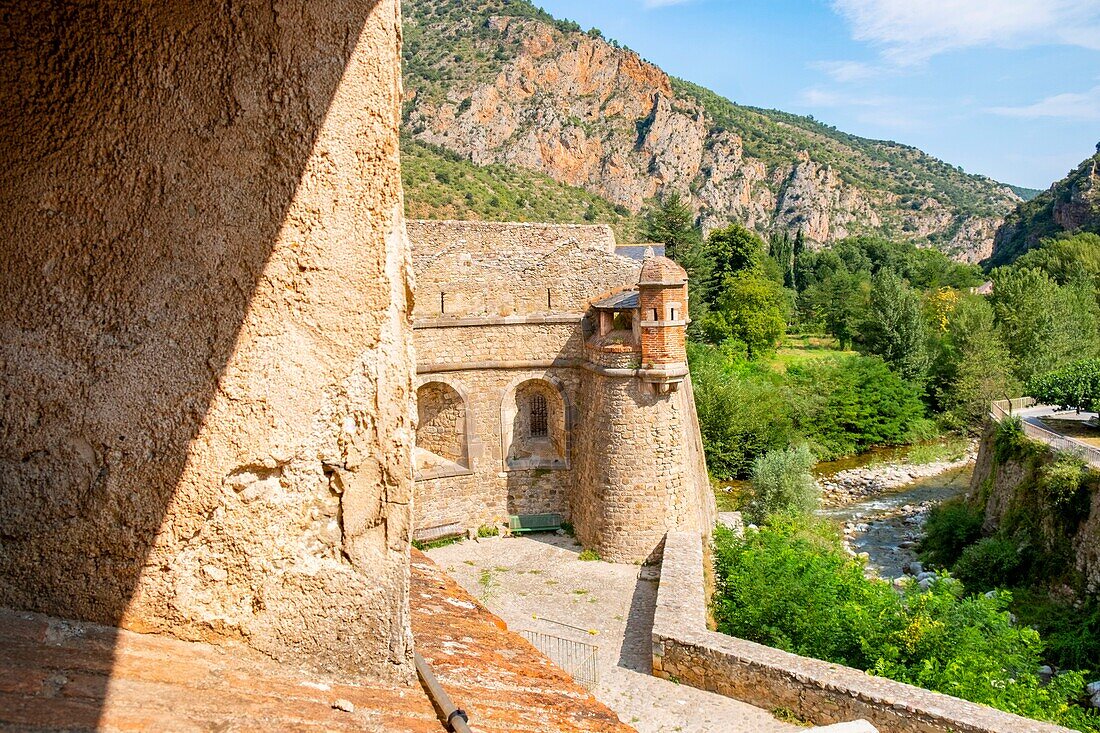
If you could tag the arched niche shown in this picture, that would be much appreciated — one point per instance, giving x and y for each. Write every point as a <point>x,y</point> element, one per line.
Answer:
<point>535,420</point>
<point>442,430</point>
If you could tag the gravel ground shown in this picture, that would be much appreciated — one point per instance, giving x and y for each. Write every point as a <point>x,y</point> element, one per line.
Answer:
<point>538,583</point>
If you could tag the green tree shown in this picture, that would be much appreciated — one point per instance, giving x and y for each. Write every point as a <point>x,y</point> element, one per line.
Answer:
<point>671,223</point>
<point>894,326</point>
<point>1044,325</point>
<point>1066,259</point>
<point>782,483</point>
<point>750,309</point>
<point>838,304</point>
<point>972,366</point>
<point>730,251</point>
<point>846,406</point>
<point>1076,385</point>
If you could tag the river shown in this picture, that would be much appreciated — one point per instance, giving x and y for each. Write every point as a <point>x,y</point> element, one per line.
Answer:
<point>888,526</point>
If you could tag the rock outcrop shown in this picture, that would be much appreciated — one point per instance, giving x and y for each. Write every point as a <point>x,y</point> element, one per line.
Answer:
<point>1070,205</point>
<point>541,95</point>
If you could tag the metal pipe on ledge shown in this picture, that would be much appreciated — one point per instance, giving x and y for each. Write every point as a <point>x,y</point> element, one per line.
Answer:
<point>456,718</point>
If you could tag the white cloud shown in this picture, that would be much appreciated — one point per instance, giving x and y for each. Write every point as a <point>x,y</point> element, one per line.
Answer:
<point>890,113</point>
<point>912,31</point>
<point>1071,106</point>
<point>846,71</point>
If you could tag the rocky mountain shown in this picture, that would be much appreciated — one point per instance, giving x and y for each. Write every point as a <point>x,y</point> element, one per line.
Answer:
<point>501,82</point>
<point>1070,205</point>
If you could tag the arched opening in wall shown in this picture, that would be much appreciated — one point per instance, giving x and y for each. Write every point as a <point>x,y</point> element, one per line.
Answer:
<point>442,445</point>
<point>534,425</point>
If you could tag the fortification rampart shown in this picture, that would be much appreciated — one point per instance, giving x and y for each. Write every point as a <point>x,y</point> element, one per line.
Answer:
<point>546,404</point>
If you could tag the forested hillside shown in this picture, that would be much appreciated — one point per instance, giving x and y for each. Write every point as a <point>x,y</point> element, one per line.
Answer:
<point>501,82</point>
<point>1069,206</point>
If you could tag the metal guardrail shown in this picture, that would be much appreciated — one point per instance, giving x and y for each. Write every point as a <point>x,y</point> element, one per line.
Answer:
<point>579,660</point>
<point>1001,409</point>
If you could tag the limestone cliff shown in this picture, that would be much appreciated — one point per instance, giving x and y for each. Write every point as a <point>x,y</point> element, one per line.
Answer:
<point>504,83</point>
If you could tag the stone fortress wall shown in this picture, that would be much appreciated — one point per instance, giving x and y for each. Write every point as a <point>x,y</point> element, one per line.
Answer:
<point>205,343</point>
<point>503,314</point>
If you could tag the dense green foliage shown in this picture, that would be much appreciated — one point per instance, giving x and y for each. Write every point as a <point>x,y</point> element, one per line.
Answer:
<point>790,585</point>
<point>1044,324</point>
<point>845,406</point>
<point>1034,220</point>
<point>1076,385</point>
<point>440,185</point>
<point>837,406</point>
<point>782,483</point>
<point>743,409</point>
<point>951,527</point>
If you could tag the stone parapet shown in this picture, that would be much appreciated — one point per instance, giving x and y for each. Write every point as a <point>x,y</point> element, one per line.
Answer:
<point>686,652</point>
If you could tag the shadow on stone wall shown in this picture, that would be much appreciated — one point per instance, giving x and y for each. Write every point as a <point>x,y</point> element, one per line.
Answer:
<point>150,155</point>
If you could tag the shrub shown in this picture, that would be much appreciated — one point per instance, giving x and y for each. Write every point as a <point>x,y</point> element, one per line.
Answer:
<point>782,483</point>
<point>846,406</point>
<point>742,411</point>
<point>1009,441</point>
<point>588,555</point>
<point>488,530</point>
<point>950,528</point>
<point>990,563</point>
<point>791,585</point>
<point>1061,481</point>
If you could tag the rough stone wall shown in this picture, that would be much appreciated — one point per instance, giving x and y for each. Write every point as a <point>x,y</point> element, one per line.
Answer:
<point>441,346</point>
<point>205,421</point>
<point>489,492</point>
<point>1009,489</point>
<point>640,470</point>
<point>503,269</point>
<point>441,422</point>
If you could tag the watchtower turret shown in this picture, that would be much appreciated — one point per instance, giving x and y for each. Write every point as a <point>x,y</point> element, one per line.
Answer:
<point>663,306</point>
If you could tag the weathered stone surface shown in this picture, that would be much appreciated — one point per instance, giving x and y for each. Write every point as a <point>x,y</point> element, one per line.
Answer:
<point>503,318</point>
<point>205,345</point>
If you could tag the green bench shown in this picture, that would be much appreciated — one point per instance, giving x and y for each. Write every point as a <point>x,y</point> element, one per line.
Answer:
<point>523,523</point>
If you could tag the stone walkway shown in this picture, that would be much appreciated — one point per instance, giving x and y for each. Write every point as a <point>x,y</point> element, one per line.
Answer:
<point>538,583</point>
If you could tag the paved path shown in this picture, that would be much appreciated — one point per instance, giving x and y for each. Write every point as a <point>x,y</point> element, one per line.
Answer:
<point>1034,427</point>
<point>519,578</point>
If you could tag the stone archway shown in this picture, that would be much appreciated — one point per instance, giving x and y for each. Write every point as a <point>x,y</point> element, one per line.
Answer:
<point>443,429</point>
<point>535,419</point>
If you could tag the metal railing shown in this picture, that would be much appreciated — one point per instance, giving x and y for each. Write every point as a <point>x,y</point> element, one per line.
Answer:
<point>578,659</point>
<point>1001,409</point>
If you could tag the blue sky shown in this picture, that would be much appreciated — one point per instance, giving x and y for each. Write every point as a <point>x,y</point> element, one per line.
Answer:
<point>1006,88</point>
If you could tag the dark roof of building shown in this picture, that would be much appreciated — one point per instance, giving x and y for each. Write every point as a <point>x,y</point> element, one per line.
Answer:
<point>619,301</point>
<point>661,271</point>
<point>638,251</point>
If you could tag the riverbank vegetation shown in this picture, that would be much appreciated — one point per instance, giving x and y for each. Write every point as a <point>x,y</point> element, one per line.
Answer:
<point>893,344</point>
<point>790,584</point>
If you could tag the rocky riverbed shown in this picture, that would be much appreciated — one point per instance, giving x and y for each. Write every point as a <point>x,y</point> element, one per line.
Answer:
<point>855,484</point>
<point>886,525</point>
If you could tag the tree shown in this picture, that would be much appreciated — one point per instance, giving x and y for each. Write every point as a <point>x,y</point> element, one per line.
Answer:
<point>838,303</point>
<point>972,366</point>
<point>730,251</point>
<point>894,327</point>
<point>671,223</point>
<point>1076,385</point>
<point>782,484</point>
<point>1044,325</point>
<point>781,249</point>
<point>750,309</point>
<point>1066,259</point>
